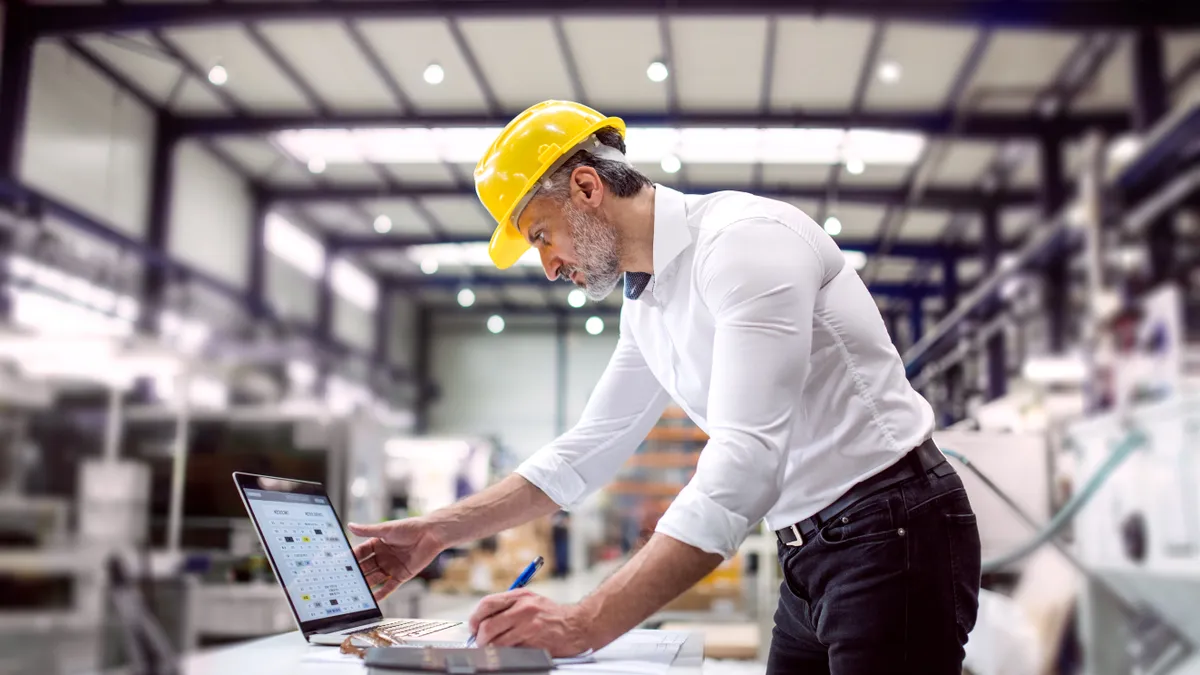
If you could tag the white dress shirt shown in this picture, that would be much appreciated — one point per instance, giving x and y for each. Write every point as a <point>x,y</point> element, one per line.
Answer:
<point>754,324</point>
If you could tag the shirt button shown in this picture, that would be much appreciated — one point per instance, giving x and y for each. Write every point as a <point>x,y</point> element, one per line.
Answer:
<point>900,532</point>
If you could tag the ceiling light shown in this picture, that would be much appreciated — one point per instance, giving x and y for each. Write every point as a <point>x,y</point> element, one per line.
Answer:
<point>1123,149</point>
<point>301,374</point>
<point>833,226</point>
<point>495,323</point>
<point>856,259</point>
<point>594,325</point>
<point>429,266</point>
<point>218,75</point>
<point>889,72</point>
<point>576,298</point>
<point>466,297</point>
<point>316,165</point>
<point>671,164</point>
<point>434,74</point>
<point>657,71</point>
<point>855,166</point>
<point>383,224</point>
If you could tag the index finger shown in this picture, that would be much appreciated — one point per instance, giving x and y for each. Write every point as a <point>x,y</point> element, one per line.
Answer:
<point>365,550</point>
<point>491,605</point>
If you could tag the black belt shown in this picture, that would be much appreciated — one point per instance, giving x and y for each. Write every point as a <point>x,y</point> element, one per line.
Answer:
<point>924,458</point>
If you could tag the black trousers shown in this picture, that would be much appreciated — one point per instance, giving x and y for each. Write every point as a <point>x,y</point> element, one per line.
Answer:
<point>891,585</point>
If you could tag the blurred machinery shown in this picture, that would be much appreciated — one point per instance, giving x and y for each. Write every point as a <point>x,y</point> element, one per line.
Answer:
<point>1020,465</point>
<point>127,506</point>
<point>1097,449</point>
<point>1141,535</point>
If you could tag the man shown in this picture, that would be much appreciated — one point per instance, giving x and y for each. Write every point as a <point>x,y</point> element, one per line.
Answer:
<point>743,311</point>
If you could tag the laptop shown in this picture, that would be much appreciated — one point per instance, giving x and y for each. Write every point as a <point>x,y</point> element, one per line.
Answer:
<point>315,564</point>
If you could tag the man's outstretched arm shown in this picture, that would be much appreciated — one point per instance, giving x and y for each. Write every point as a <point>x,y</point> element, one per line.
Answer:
<point>398,550</point>
<point>506,504</point>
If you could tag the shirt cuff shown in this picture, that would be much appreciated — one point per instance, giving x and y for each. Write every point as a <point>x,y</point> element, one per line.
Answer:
<point>551,474</point>
<point>698,521</point>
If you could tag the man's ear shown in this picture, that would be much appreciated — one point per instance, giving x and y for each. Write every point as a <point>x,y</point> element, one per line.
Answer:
<point>586,186</point>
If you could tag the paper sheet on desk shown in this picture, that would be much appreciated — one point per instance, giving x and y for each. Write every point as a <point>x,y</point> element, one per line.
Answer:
<point>638,652</point>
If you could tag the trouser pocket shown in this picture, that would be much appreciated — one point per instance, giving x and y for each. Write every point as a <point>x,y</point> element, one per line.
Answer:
<point>962,529</point>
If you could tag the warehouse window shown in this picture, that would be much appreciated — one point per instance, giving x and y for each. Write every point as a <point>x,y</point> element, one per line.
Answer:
<point>650,145</point>
<point>294,246</point>
<point>305,252</point>
<point>49,300</point>
<point>356,286</point>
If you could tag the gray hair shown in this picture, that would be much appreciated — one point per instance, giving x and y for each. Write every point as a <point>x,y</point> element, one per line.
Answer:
<point>619,177</point>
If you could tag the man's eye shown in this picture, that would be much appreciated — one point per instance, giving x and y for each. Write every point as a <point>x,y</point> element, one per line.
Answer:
<point>541,236</point>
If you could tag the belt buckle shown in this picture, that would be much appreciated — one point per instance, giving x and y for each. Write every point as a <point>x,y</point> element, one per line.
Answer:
<point>799,540</point>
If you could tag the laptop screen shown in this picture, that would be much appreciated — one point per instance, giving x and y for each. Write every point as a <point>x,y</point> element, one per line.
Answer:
<point>312,558</point>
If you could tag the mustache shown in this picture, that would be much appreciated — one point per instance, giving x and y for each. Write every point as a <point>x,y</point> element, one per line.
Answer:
<point>565,273</point>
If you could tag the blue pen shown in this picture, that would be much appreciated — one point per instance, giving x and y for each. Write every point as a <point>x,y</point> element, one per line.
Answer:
<point>521,582</point>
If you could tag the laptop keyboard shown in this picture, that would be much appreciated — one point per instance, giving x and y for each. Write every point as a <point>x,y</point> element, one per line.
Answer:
<point>407,628</point>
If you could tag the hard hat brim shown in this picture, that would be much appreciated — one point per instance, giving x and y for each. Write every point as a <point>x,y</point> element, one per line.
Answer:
<point>507,246</point>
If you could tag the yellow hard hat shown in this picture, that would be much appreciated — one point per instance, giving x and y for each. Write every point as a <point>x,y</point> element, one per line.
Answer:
<point>531,145</point>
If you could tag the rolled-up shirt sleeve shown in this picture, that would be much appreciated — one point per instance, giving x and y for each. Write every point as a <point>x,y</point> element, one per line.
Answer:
<point>625,404</point>
<point>760,279</point>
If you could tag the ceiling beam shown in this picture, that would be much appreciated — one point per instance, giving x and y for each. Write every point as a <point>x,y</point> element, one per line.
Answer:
<point>1077,14</point>
<point>510,310</point>
<point>985,126</point>
<point>377,243</point>
<point>904,290</point>
<point>932,198</point>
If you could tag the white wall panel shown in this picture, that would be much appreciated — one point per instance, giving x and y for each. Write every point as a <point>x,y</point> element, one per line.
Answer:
<point>353,325</point>
<point>210,215</point>
<point>86,142</point>
<point>501,385</point>
<point>506,385</point>
<point>291,292</point>
<point>587,355</point>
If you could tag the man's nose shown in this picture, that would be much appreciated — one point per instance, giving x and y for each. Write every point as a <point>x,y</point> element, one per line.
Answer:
<point>550,265</point>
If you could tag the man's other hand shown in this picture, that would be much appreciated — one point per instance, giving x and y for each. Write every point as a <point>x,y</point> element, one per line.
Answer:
<point>396,552</point>
<point>522,618</point>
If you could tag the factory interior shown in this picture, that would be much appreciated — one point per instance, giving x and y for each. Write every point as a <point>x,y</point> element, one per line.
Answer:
<point>245,236</point>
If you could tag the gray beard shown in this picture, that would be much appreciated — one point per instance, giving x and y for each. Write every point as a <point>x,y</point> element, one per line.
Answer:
<point>598,250</point>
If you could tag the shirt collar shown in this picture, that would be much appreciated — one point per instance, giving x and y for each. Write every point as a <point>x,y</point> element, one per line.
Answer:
<point>671,237</point>
<point>671,233</point>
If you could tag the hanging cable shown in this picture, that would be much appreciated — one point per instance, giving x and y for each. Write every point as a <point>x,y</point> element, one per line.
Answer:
<point>1067,513</point>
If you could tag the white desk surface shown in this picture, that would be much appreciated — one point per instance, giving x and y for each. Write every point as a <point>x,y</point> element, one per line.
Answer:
<point>284,654</point>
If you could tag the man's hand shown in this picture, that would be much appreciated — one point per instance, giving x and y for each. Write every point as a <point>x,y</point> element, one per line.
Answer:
<point>522,618</point>
<point>397,551</point>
